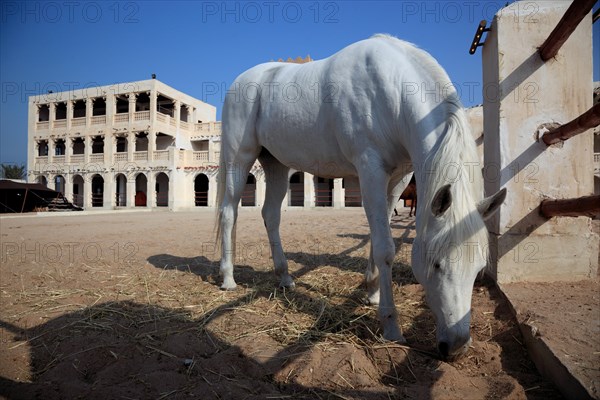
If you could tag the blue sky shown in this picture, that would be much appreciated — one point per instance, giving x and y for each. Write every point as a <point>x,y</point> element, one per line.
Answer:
<point>199,47</point>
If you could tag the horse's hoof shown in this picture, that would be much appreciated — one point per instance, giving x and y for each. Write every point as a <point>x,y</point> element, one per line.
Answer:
<point>228,285</point>
<point>394,337</point>
<point>372,300</point>
<point>287,283</point>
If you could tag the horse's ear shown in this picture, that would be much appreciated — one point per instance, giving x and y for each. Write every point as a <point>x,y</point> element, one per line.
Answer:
<point>488,206</point>
<point>441,201</point>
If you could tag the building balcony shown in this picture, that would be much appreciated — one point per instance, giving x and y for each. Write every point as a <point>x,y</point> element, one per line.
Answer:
<point>597,164</point>
<point>207,129</point>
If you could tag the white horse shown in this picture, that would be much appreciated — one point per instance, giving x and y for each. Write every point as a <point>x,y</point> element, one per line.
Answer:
<point>376,110</point>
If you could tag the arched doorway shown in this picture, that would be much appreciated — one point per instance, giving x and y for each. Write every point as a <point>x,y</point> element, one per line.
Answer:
<point>296,197</point>
<point>141,189</point>
<point>323,192</point>
<point>249,194</point>
<point>42,180</point>
<point>201,186</point>
<point>121,190</point>
<point>162,190</point>
<point>78,190</point>
<point>97,191</point>
<point>59,184</point>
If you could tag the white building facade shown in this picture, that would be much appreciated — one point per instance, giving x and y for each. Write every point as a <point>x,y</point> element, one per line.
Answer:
<point>145,144</point>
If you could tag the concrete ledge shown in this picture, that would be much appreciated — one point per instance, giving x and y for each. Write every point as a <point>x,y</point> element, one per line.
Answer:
<point>562,340</point>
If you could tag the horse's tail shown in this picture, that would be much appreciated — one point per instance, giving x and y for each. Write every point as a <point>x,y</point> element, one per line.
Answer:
<point>221,181</point>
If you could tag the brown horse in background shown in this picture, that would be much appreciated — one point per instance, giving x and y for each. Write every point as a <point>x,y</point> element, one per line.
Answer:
<point>410,194</point>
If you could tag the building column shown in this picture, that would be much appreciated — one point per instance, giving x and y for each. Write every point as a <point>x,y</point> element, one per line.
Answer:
<point>68,149</point>
<point>130,145</point>
<point>177,114</point>
<point>87,148</point>
<point>151,144</point>
<point>132,98</point>
<point>338,193</point>
<point>51,150</point>
<point>52,116</point>
<point>110,191</point>
<point>69,114</point>
<point>68,184</point>
<point>309,190</point>
<point>151,190</point>
<point>87,191</point>
<point>260,188</point>
<point>89,109</point>
<point>130,192</point>
<point>153,100</point>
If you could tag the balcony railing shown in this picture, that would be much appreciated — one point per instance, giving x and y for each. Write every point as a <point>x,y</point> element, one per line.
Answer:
<point>596,163</point>
<point>121,118</point>
<point>142,116</point>
<point>161,155</point>
<point>208,128</point>
<point>41,160</point>
<point>99,120</point>
<point>41,126</point>
<point>201,156</point>
<point>60,123</point>
<point>78,121</point>
<point>140,156</point>
<point>120,156</point>
<point>97,157</point>
<point>77,158</point>
<point>58,159</point>
<point>184,125</point>
<point>162,117</point>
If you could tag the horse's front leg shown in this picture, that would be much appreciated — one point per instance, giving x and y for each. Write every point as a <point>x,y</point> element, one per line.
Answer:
<point>395,189</point>
<point>374,188</point>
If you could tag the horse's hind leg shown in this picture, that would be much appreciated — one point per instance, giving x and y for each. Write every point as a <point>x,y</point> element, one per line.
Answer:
<point>235,181</point>
<point>276,175</point>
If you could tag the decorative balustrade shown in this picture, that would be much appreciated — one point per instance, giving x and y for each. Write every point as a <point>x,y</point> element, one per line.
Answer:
<point>58,159</point>
<point>42,126</point>
<point>161,117</point>
<point>142,116</point>
<point>201,156</point>
<point>121,118</point>
<point>99,120</point>
<point>97,157</point>
<point>78,121</point>
<point>161,155</point>
<point>60,123</point>
<point>184,125</point>
<point>120,156</point>
<point>140,156</point>
<point>172,122</point>
<point>41,160</point>
<point>77,158</point>
<point>208,128</point>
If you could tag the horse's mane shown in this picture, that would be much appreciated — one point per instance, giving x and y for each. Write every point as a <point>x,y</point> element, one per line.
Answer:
<point>454,160</point>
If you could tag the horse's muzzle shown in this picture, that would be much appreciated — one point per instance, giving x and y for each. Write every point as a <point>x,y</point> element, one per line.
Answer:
<point>452,354</point>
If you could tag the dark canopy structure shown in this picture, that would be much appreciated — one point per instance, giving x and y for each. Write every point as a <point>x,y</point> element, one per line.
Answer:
<point>16,197</point>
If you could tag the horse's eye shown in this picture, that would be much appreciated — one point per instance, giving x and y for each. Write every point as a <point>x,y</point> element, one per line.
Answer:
<point>436,266</point>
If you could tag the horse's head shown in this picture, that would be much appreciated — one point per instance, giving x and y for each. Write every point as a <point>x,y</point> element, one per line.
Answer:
<point>447,256</point>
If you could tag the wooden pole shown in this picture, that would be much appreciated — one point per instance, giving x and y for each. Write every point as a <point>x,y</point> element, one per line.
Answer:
<point>24,200</point>
<point>587,120</point>
<point>582,206</point>
<point>567,24</point>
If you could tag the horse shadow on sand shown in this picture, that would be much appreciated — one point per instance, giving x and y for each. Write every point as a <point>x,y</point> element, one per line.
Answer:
<point>123,349</point>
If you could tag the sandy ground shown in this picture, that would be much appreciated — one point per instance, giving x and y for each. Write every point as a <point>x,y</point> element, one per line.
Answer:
<point>127,306</point>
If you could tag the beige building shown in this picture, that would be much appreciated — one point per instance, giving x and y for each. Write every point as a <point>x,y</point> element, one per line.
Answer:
<point>137,144</point>
<point>145,144</point>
